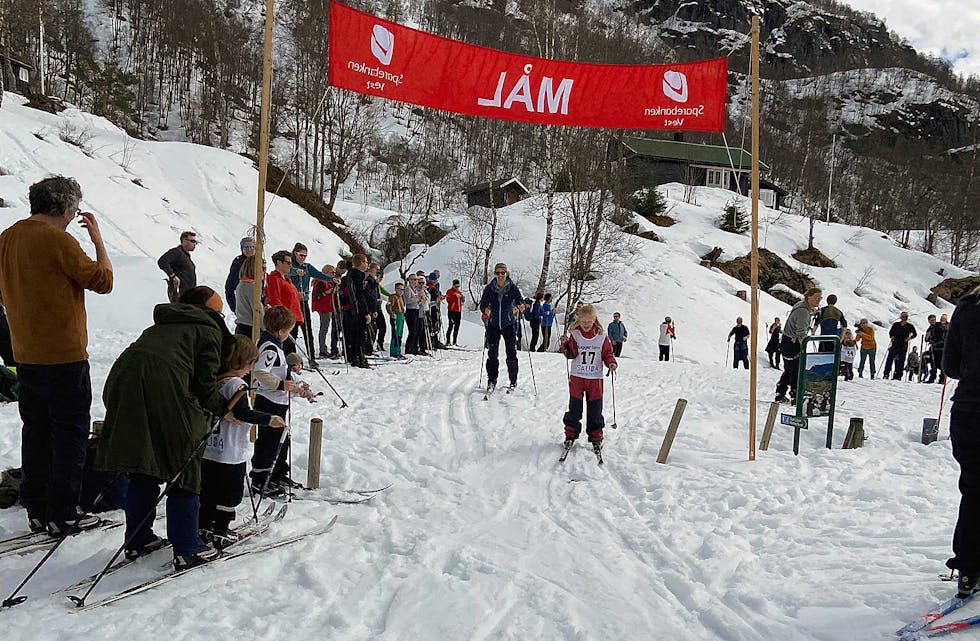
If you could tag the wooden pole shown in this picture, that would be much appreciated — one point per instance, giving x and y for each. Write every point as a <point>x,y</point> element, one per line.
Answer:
<point>754,349</point>
<point>675,421</point>
<point>770,423</point>
<point>263,171</point>
<point>313,465</point>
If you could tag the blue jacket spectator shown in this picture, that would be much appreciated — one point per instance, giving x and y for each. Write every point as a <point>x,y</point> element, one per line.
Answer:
<point>616,331</point>
<point>501,302</point>
<point>547,314</point>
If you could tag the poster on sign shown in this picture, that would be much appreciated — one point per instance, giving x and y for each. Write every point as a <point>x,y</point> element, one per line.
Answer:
<point>382,58</point>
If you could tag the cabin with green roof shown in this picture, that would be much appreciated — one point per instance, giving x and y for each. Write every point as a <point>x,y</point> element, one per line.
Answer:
<point>657,162</point>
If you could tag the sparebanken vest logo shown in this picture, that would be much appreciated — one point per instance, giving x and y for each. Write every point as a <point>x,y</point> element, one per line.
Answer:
<point>382,44</point>
<point>675,85</point>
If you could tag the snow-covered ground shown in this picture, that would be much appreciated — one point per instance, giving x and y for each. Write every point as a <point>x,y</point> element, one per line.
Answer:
<point>484,536</point>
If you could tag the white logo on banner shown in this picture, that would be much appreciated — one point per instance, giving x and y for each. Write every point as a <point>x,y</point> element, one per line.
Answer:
<point>675,86</point>
<point>382,44</point>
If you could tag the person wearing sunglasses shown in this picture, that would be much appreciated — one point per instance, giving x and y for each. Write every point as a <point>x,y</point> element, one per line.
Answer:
<point>247,245</point>
<point>176,263</point>
<point>499,299</point>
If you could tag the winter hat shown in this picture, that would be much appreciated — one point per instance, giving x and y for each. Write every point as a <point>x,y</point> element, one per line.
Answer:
<point>214,302</point>
<point>456,282</point>
<point>294,359</point>
<point>433,276</point>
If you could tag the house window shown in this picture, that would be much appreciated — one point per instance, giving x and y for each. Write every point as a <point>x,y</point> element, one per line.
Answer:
<point>23,74</point>
<point>767,197</point>
<point>717,178</point>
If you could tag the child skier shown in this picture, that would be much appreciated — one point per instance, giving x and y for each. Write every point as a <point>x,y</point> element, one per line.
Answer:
<point>223,467</point>
<point>913,365</point>
<point>848,350</point>
<point>273,384</point>
<point>588,348</point>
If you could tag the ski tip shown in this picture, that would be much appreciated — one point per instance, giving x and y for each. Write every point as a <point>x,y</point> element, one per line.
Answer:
<point>9,603</point>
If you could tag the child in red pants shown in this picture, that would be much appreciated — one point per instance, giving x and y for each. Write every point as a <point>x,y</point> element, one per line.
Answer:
<point>588,348</point>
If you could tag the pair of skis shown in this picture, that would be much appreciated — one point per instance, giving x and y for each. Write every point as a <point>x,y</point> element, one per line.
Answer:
<point>32,541</point>
<point>568,445</point>
<point>354,497</point>
<point>923,628</point>
<point>235,554</point>
<point>493,387</point>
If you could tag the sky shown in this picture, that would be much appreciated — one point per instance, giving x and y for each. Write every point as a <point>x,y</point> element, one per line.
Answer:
<point>944,28</point>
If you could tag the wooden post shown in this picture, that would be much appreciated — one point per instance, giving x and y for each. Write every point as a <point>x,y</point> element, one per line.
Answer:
<point>97,428</point>
<point>754,337</point>
<point>855,434</point>
<point>770,423</point>
<point>313,465</point>
<point>263,171</point>
<point>675,421</point>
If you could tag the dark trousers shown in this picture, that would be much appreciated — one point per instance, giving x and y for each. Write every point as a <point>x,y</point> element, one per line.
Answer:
<point>222,489</point>
<point>545,338</point>
<point>664,352</point>
<point>54,402</point>
<point>6,347</point>
<point>617,348</point>
<point>307,328</point>
<point>788,380</point>
<point>336,329</point>
<point>847,369</point>
<point>509,334</point>
<point>354,335</point>
<point>452,333</point>
<point>774,358</point>
<point>435,328</point>
<point>264,461</point>
<point>289,345</point>
<point>896,356</point>
<point>381,328</point>
<point>412,321</point>
<point>966,451</point>
<point>741,354</point>
<point>243,330</point>
<point>424,338</point>
<point>937,364</point>
<point>535,329</point>
<point>182,512</point>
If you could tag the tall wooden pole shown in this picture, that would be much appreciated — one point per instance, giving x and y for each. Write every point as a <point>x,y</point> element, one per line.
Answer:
<point>753,361</point>
<point>263,171</point>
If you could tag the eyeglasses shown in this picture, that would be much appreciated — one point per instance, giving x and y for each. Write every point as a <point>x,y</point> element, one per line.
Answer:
<point>192,241</point>
<point>500,273</point>
<point>300,255</point>
<point>248,246</point>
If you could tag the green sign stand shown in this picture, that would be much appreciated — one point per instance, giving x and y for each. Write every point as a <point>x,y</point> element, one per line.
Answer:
<point>816,388</point>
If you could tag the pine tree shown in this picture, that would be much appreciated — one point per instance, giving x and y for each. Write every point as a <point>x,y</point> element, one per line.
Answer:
<point>734,219</point>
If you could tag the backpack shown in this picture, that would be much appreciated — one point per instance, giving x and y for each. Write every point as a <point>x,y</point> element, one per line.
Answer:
<point>8,386</point>
<point>10,481</point>
<point>528,305</point>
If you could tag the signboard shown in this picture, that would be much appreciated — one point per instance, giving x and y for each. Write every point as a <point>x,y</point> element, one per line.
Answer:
<point>793,421</point>
<point>382,58</point>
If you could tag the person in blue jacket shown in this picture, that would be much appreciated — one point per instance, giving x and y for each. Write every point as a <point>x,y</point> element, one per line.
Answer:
<point>617,334</point>
<point>500,296</point>
<point>301,273</point>
<point>547,322</point>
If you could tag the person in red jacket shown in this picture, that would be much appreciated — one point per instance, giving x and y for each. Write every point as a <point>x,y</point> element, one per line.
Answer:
<point>279,290</point>
<point>323,306</point>
<point>589,349</point>
<point>454,303</point>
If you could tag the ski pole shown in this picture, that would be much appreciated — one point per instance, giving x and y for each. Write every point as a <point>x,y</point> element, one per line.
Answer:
<point>80,601</point>
<point>289,452</point>
<point>530,363</point>
<point>612,380</point>
<point>726,352</point>
<point>483,357</point>
<point>317,369</point>
<point>275,458</point>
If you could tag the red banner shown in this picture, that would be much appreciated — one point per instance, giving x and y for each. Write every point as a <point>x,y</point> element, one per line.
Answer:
<point>382,58</point>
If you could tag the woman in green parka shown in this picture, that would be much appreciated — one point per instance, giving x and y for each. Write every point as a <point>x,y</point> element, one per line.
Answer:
<point>158,396</point>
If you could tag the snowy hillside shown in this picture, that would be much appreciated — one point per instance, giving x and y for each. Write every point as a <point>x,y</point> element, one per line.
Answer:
<point>483,535</point>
